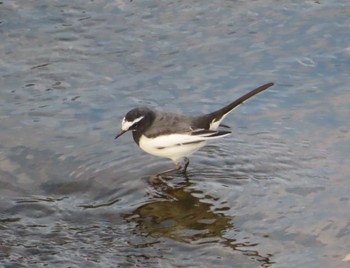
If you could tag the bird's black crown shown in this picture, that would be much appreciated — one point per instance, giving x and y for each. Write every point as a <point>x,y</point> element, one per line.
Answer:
<point>137,113</point>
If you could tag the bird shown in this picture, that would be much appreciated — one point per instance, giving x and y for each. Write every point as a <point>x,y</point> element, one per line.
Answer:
<point>176,136</point>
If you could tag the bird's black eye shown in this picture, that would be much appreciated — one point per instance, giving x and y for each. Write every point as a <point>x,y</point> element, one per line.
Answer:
<point>134,126</point>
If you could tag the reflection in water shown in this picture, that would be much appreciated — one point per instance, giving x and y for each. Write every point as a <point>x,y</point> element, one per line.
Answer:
<point>176,212</point>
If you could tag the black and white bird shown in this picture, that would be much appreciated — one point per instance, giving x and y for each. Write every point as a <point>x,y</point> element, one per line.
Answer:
<point>177,136</point>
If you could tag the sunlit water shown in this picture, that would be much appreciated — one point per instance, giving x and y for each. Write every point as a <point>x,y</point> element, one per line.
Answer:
<point>273,194</point>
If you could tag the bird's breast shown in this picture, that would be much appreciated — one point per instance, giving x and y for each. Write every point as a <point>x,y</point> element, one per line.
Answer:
<point>169,146</point>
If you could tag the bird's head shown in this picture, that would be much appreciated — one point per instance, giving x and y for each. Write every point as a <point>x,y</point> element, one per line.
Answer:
<point>133,119</point>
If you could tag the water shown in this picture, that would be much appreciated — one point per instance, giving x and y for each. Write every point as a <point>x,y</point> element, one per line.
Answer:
<point>273,194</point>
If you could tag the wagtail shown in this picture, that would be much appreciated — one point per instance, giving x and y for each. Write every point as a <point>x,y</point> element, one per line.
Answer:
<point>177,136</point>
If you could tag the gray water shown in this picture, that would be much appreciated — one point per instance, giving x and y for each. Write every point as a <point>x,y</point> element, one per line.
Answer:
<point>273,194</point>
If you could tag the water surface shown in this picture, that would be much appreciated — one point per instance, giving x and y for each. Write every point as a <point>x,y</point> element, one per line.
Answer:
<point>273,194</point>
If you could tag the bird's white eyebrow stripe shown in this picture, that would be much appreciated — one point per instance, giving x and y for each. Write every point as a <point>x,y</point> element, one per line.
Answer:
<point>126,124</point>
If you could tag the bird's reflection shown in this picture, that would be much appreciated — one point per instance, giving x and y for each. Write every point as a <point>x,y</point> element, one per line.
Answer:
<point>182,213</point>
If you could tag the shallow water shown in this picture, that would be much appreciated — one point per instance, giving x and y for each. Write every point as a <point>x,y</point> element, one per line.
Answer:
<point>273,194</point>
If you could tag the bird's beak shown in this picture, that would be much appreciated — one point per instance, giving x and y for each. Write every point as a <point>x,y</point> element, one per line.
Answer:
<point>121,133</point>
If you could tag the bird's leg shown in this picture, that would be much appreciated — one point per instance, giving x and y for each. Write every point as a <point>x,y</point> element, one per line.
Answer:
<point>187,162</point>
<point>156,178</point>
<point>178,167</point>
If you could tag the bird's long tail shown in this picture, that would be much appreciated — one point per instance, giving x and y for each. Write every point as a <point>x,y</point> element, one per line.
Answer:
<point>218,116</point>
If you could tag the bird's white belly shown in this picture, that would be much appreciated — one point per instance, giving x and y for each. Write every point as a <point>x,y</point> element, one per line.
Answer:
<point>174,152</point>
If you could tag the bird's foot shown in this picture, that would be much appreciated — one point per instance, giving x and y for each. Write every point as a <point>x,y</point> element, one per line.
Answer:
<point>166,172</point>
<point>178,167</point>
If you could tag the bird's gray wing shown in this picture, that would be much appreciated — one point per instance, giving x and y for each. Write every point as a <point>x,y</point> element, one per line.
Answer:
<point>169,129</point>
<point>178,139</point>
<point>169,123</point>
